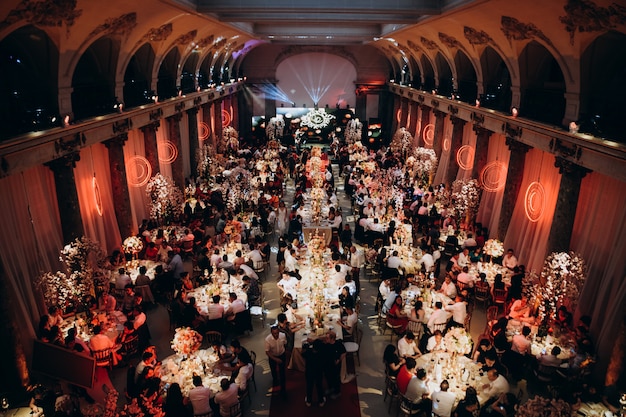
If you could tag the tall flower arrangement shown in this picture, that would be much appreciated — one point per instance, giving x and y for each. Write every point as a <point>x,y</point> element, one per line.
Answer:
<point>239,188</point>
<point>401,141</point>
<point>493,248</point>
<point>563,275</point>
<point>84,260</point>
<point>230,140</point>
<point>466,197</point>
<point>166,200</point>
<point>422,164</point>
<point>354,130</point>
<point>458,341</point>
<point>275,128</point>
<point>186,341</point>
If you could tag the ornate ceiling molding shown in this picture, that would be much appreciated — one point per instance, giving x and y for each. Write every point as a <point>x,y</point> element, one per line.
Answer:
<point>206,41</point>
<point>586,16</point>
<point>477,37</point>
<point>428,43</point>
<point>158,34</point>
<point>450,41</point>
<point>122,26</point>
<point>304,49</point>
<point>513,29</point>
<point>186,38</point>
<point>51,13</point>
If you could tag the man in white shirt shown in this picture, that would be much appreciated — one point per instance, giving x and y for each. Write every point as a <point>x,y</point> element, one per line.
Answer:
<point>394,261</point>
<point>254,254</point>
<point>439,316</point>
<point>338,277</point>
<point>384,289</point>
<point>417,391</point>
<point>436,342</point>
<point>407,348</point>
<point>458,310</point>
<point>288,285</point>
<point>350,322</point>
<point>291,263</point>
<point>226,398</point>
<point>215,309</point>
<point>369,210</point>
<point>357,260</point>
<point>465,277</point>
<point>199,397</point>
<point>275,344</point>
<point>122,279</point>
<point>443,401</point>
<point>376,226</point>
<point>448,288</point>
<point>470,242</point>
<point>236,306</point>
<point>427,262</point>
<point>497,385</point>
<point>463,259</point>
<point>509,261</point>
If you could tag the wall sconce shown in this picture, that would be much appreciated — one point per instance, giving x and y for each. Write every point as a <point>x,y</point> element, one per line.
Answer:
<point>573,127</point>
<point>514,112</point>
<point>66,120</point>
<point>477,103</point>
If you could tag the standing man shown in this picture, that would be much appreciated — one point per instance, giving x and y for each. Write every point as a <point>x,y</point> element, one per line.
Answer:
<point>335,354</point>
<point>357,260</point>
<point>275,344</point>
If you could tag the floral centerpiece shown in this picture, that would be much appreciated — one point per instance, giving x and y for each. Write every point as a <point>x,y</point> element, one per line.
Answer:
<point>458,341</point>
<point>563,275</point>
<point>465,198</point>
<point>354,131</point>
<point>230,140</point>
<point>132,244</point>
<point>186,341</point>
<point>544,407</point>
<point>493,248</point>
<point>166,200</point>
<point>275,127</point>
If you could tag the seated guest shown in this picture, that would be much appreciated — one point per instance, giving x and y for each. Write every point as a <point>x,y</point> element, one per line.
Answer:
<point>215,309</point>
<point>392,361</point>
<point>106,302</point>
<point>484,348</point>
<point>509,260</point>
<point>350,322</point>
<point>407,347</point>
<point>396,316</point>
<point>142,278</point>
<point>405,374</point>
<point>503,406</point>
<point>520,310</point>
<point>438,316</point>
<point>521,342</point>
<point>436,342</point>
<point>199,396</point>
<point>443,400</point>
<point>417,392</point>
<point>190,316</point>
<point>564,318</point>
<point>122,279</point>
<point>496,386</point>
<point>236,306</point>
<point>552,358</point>
<point>100,341</point>
<point>448,288</point>
<point>224,399</point>
<point>251,287</point>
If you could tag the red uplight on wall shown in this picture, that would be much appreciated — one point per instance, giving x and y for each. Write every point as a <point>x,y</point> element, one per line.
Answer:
<point>96,195</point>
<point>534,201</point>
<point>408,120</point>
<point>203,131</point>
<point>139,171</point>
<point>493,176</point>
<point>398,115</point>
<point>167,152</point>
<point>429,134</point>
<point>226,118</point>
<point>446,144</point>
<point>465,157</point>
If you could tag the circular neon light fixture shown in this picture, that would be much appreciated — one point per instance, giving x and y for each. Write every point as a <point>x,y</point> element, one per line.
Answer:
<point>493,176</point>
<point>96,195</point>
<point>204,131</point>
<point>226,118</point>
<point>429,134</point>
<point>465,157</point>
<point>139,171</point>
<point>167,152</point>
<point>534,201</point>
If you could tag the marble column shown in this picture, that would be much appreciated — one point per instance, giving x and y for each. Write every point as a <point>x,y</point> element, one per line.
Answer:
<point>440,117</point>
<point>413,112</point>
<point>217,116</point>
<point>150,145</point>
<point>425,120</point>
<point>455,144</point>
<point>206,118</point>
<point>192,119</point>
<point>119,185</point>
<point>481,151</point>
<point>67,196</point>
<point>514,177</point>
<point>173,124</point>
<point>397,106</point>
<point>404,115</point>
<point>566,203</point>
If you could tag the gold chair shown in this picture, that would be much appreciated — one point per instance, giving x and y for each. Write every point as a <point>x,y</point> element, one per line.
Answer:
<point>103,357</point>
<point>213,336</point>
<point>353,348</point>
<point>235,410</point>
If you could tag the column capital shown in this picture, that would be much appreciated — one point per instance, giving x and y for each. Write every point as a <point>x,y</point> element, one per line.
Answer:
<point>66,161</point>
<point>516,146</point>
<point>154,126</point>
<point>567,167</point>
<point>479,130</point>
<point>119,140</point>
<point>176,117</point>
<point>193,110</point>
<point>439,114</point>
<point>457,121</point>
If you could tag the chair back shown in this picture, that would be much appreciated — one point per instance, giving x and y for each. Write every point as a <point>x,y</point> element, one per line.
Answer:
<point>461,286</point>
<point>492,314</point>
<point>481,292</point>
<point>103,357</point>
<point>253,356</point>
<point>145,292</point>
<point>213,336</point>
<point>545,373</point>
<point>499,296</point>
<point>130,347</point>
<point>235,410</point>
<point>440,326</point>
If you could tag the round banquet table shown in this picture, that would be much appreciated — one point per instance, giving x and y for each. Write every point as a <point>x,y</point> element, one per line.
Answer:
<point>176,368</point>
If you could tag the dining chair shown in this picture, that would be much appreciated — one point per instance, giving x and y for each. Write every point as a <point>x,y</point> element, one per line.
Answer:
<point>407,408</point>
<point>440,326</point>
<point>491,318</point>
<point>352,348</point>
<point>259,268</point>
<point>481,294</point>
<point>395,329</point>
<point>499,297</point>
<point>259,311</point>
<point>213,336</point>
<point>103,357</point>
<point>130,347</point>
<point>391,391</point>
<point>235,410</point>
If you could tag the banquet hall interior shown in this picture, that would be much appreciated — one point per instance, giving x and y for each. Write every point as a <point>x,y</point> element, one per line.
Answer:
<point>337,154</point>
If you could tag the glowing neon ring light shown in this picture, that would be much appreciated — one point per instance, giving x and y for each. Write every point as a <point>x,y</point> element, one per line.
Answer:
<point>446,144</point>
<point>398,115</point>
<point>418,127</point>
<point>493,176</point>
<point>167,152</point>
<point>204,131</point>
<point>226,118</point>
<point>408,120</point>
<point>429,134</point>
<point>534,201</point>
<point>96,195</point>
<point>140,171</point>
<point>465,157</point>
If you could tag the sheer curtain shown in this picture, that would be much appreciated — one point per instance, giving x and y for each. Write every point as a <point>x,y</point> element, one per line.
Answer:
<point>94,162</point>
<point>599,235</point>
<point>32,240</point>
<point>184,144</point>
<point>530,239</point>
<point>139,202</point>
<point>444,158</point>
<point>491,201</point>
<point>162,136</point>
